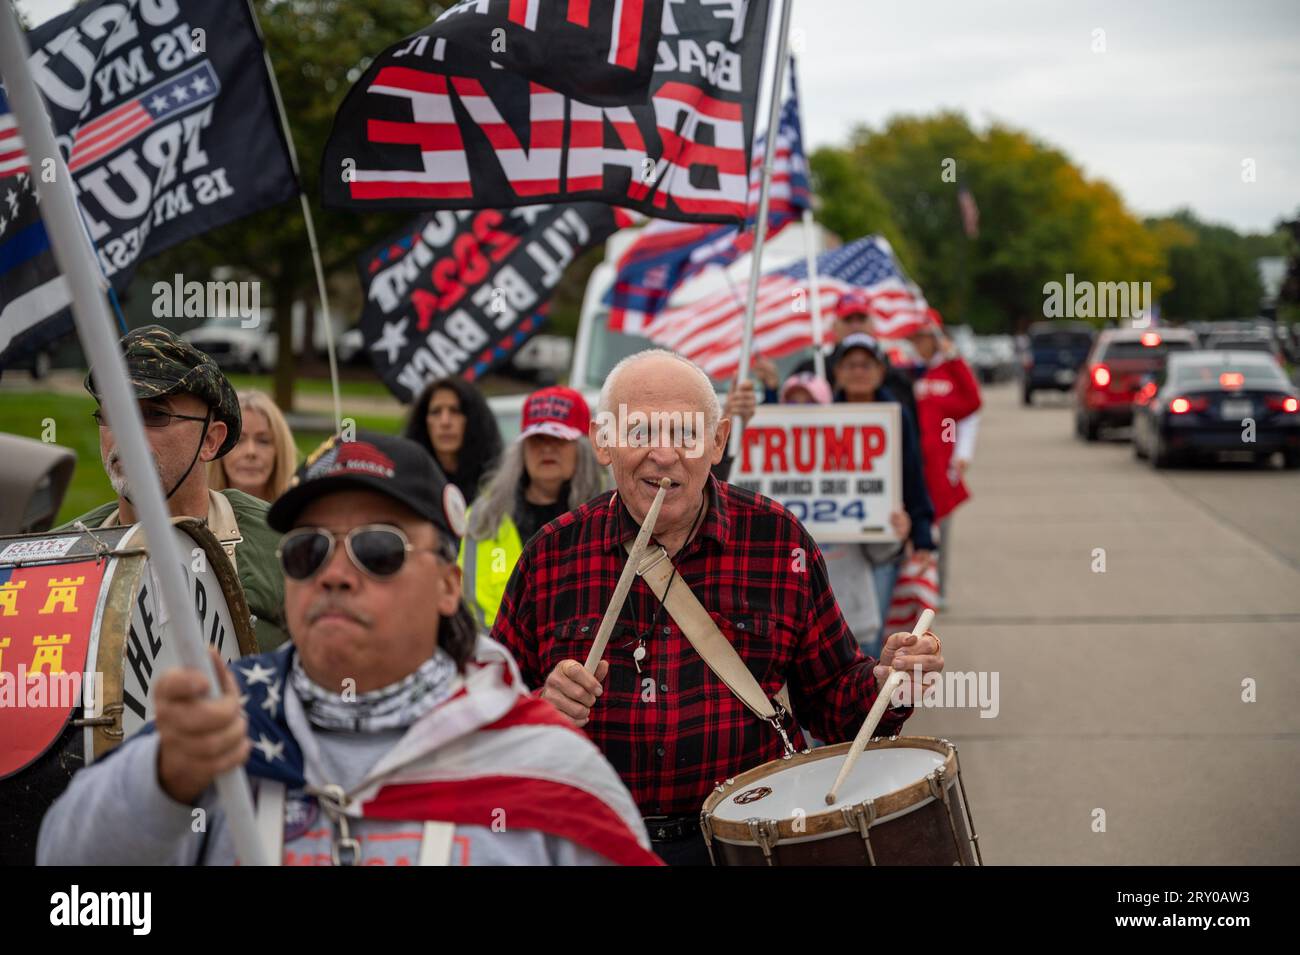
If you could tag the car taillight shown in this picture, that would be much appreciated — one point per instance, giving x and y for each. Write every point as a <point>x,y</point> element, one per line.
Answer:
<point>1232,379</point>
<point>1184,405</point>
<point>1283,403</point>
<point>1145,393</point>
<point>1150,339</point>
<point>1100,376</point>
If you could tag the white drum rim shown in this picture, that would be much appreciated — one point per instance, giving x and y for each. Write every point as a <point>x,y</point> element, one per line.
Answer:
<point>830,822</point>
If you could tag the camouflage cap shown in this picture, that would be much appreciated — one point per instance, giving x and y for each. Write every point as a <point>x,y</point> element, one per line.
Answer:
<point>160,363</point>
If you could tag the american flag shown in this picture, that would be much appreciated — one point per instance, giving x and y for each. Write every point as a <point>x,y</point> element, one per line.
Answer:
<point>31,286</point>
<point>13,158</point>
<point>106,134</point>
<point>709,331</point>
<point>970,213</point>
<point>488,746</point>
<point>917,589</point>
<point>667,253</point>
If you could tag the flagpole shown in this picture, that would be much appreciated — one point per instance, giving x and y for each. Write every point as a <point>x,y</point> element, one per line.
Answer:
<point>760,227</point>
<point>307,217</point>
<point>77,262</point>
<point>810,255</point>
<point>814,290</point>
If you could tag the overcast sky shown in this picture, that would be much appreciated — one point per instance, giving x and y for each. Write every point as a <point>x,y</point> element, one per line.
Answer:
<point>1184,92</point>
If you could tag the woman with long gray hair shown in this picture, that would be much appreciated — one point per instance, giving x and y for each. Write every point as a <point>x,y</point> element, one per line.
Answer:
<point>550,469</point>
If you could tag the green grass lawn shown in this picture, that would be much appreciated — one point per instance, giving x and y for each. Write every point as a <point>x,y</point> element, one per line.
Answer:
<point>65,420</point>
<point>364,388</point>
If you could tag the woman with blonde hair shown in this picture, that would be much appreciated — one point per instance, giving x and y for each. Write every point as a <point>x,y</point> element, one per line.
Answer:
<point>264,459</point>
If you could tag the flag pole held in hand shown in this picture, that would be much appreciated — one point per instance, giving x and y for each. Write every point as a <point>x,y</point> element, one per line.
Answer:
<point>96,331</point>
<point>877,711</point>
<point>625,579</point>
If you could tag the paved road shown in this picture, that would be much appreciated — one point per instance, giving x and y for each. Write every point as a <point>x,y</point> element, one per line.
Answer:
<point>1122,690</point>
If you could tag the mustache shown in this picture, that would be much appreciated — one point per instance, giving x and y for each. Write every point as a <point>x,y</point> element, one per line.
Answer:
<point>114,461</point>
<point>329,603</point>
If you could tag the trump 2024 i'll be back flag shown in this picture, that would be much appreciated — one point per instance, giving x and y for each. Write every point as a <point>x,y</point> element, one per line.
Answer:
<point>456,293</point>
<point>431,128</point>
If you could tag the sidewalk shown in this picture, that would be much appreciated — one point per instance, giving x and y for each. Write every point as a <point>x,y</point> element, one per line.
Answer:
<point>1119,691</point>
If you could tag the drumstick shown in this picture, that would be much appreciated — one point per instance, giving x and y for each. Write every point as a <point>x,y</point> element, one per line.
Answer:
<point>625,579</point>
<point>877,711</point>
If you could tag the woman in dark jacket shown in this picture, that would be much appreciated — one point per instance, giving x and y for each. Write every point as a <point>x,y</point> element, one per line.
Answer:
<point>452,421</point>
<point>860,369</point>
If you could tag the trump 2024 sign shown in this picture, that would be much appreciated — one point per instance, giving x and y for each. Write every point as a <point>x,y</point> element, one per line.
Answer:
<point>838,468</point>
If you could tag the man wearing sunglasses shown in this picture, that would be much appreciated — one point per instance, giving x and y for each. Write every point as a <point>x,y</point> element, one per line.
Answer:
<point>387,733</point>
<point>191,416</point>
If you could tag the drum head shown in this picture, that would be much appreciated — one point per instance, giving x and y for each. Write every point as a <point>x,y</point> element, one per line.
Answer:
<point>800,788</point>
<point>50,587</point>
<point>134,644</point>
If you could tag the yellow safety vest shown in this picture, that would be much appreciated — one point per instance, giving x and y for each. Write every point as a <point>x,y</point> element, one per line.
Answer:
<point>486,565</point>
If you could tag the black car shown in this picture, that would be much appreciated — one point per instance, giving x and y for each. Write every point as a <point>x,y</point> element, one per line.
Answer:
<point>1263,342</point>
<point>1208,402</point>
<point>1053,355</point>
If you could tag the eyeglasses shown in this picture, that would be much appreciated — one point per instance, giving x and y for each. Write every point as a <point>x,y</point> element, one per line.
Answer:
<point>153,417</point>
<point>378,550</point>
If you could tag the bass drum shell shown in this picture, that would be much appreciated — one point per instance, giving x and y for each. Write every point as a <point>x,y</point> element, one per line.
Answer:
<point>781,804</point>
<point>25,796</point>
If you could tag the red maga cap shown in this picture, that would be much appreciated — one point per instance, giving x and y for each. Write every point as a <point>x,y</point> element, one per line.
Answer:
<point>560,412</point>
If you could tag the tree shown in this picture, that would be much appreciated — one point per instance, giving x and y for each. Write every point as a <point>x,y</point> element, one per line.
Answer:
<point>850,204</point>
<point>1040,217</point>
<point>1289,296</point>
<point>318,49</point>
<point>1214,275</point>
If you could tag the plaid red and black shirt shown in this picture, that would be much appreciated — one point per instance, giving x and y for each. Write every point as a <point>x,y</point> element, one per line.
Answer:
<point>674,730</point>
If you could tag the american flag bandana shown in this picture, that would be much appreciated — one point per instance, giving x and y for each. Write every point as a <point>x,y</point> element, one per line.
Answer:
<point>489,746</point>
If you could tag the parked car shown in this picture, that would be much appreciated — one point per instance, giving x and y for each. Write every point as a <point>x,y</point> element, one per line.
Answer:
<point>256,349</point>
<point>234,347</point>
<point>1256,341</point>
<point>1121,362</point>
<point>1208,402</point>
<point>995,358</point>
<point>543,358</point>
<point>1053,354</point>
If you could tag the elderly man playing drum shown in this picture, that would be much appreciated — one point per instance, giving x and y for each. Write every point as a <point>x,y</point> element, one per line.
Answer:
<point>386,733</point>
<point>670,726</point>
<point>191,417</point>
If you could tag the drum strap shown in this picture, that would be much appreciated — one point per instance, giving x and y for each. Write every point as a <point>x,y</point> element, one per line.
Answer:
<point>656,569</point>
<point>221,521</point>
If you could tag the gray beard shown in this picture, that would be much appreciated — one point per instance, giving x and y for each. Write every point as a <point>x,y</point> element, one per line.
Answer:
<point>117,476</point>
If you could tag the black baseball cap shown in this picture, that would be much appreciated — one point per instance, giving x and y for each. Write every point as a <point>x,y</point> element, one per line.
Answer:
<point>862,340</point>
<point>396,467</point>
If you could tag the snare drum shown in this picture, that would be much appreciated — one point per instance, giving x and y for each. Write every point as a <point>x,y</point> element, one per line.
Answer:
<point>903,804</point>
<point>83,636</point>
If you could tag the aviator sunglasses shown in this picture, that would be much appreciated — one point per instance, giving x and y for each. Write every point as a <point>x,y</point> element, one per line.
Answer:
<point>378,550</point>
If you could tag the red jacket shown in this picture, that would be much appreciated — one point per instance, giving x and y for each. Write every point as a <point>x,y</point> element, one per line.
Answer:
<point>945,393</point>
